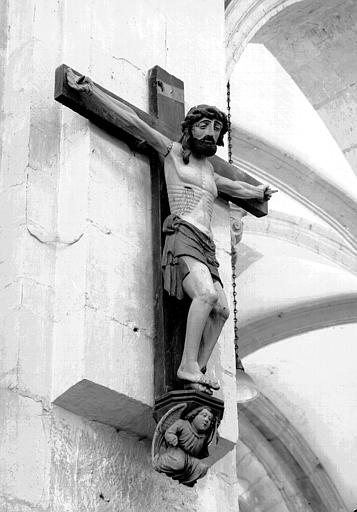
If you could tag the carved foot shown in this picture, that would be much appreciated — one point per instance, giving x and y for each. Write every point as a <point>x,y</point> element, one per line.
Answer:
<point>198,387</point>
<point>197,378</point>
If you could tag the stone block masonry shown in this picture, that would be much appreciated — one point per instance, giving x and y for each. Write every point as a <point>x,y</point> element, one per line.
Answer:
<point>75,271</point>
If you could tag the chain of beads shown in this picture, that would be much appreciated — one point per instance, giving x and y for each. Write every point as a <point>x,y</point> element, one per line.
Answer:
<point>230,159</point>
<point>233,251</point>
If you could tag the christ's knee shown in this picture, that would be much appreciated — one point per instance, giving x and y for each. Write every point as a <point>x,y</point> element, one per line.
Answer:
<point>208,298</point>
<point>220,312</point>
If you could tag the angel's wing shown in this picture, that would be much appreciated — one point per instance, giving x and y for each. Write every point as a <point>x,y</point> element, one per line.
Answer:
<point>175,413</point>
<point>214,437</point>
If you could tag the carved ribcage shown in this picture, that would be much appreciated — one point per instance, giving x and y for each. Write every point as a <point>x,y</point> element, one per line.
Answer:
<point>187,201</point>
<point>183,199</point>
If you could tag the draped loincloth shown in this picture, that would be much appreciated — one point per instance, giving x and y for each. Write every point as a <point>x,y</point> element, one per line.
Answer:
<point>184,239</point>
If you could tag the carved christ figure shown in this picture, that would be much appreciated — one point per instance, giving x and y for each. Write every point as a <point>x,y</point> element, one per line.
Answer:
<point>189,262</point>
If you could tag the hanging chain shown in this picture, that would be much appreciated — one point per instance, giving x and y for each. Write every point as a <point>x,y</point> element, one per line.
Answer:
<point>230,159</point>
<point>233,250</point>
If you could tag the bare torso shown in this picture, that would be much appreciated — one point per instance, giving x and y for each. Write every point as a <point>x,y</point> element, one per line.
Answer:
<point>191,188</point>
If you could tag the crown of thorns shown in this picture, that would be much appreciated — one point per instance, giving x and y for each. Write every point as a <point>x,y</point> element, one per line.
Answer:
<point>198,112</point>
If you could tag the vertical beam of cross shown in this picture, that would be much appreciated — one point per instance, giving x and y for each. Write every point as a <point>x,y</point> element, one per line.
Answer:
<point>167,104</point>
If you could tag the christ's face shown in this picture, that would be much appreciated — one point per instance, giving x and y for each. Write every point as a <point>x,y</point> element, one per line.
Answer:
<point>205,134</point>
<point>205,127</point>
<point>203,420</point>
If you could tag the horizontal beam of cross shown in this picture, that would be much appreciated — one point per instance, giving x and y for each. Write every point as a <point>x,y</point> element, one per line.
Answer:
<point>87,106</point>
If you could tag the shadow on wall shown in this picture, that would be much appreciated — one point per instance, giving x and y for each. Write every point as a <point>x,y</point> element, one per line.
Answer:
<point>246,256</point>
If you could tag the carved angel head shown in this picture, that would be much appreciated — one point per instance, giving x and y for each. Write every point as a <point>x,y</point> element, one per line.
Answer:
<point>202,418</point>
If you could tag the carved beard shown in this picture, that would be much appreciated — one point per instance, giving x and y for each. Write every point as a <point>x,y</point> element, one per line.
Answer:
<point>202,147</point>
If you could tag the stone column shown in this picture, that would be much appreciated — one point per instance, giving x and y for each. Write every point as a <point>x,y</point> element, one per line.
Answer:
<point>75,267</point>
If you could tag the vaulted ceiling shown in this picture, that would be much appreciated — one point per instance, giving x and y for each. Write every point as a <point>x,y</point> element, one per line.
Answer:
<point>315,41</point>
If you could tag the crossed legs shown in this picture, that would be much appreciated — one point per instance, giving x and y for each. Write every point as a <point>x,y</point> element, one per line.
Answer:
<point>206,317</point>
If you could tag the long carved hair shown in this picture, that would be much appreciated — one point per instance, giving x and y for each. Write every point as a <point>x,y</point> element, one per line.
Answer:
<point>193,116</point>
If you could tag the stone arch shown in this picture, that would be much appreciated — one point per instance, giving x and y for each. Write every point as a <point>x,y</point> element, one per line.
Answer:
<point>336,206</point>
<point>297,319</point>
<point>243,20</point>
<point>276,467</point>
<point>290,318</point>
<point>314,42</point>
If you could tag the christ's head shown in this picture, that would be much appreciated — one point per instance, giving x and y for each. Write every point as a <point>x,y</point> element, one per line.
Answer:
<point>203,130</point>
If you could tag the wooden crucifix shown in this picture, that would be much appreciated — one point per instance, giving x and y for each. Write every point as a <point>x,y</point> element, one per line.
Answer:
<point>166,115</point>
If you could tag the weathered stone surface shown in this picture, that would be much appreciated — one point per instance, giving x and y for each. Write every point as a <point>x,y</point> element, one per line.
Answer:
<point>24,451</point>
<point>63,462</point>
<point>219,490</point>
<point>76,279</point>
<point>96,468</point>
<point>9,504</point>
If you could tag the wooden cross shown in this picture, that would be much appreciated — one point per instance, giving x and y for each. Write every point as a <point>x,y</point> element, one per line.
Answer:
<point>166,114</point>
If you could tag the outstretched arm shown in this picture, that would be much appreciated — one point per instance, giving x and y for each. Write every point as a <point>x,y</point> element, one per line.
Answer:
<point>242,189</point>
<point>129,120</point>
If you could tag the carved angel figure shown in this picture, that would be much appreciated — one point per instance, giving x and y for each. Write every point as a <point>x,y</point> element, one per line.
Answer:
<point>181,441</point>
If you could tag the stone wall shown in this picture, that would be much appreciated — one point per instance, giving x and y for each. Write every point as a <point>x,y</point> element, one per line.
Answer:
<point>53,460</point>
<point>76,278</point>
